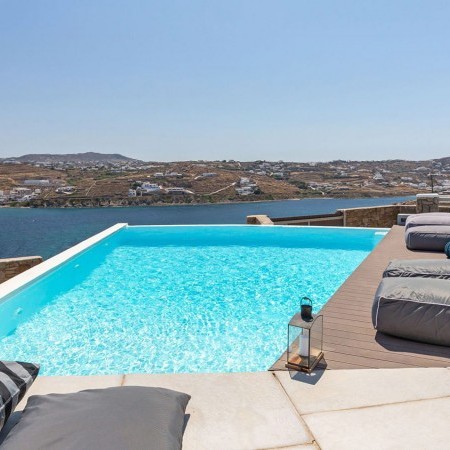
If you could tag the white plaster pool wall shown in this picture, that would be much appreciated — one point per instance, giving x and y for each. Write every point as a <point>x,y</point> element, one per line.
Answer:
<point>25,278</point>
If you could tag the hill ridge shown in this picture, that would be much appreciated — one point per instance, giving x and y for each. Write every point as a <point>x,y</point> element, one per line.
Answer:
<point>72,157</point>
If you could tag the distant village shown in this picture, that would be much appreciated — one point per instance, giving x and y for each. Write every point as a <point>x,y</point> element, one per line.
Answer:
<point>120,180</point>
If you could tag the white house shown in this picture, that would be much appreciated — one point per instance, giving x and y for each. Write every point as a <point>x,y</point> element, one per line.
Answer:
<point>175,190</point>
<point>65,189</point>
<point>174,175</point>
<point>37,183</point>
<point>150,188</point>
<point>378,176</point>
<point>246,190</point>
<point>20,192</point>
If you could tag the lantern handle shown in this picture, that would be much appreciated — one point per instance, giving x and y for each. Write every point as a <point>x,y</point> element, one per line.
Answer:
<point>305,300</point>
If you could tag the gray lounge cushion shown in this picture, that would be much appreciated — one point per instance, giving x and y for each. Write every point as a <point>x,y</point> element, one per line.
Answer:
<point>431,238</point>
<point>419,220</point>
<point>425,268</point>
<point>413,308</point>
<point>129,417</point>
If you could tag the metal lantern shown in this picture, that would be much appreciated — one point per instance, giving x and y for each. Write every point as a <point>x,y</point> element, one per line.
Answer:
<point>305,339</point>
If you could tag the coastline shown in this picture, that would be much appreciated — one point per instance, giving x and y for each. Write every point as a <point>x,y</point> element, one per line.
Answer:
<point>163,204</point>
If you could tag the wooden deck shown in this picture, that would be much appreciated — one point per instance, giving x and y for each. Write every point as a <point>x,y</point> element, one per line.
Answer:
<point>350,341</point>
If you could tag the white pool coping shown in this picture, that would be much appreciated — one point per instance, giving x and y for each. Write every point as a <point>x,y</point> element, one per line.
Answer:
<point>238,225</point>
<point>23,279</point>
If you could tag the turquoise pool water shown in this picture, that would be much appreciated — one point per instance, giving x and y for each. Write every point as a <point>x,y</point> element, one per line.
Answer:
<point>178,299</point>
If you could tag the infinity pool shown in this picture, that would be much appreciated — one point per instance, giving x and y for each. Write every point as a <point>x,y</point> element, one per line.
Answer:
<point>161,299</point>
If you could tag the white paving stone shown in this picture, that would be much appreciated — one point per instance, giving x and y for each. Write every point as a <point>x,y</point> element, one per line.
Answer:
<point>346,409</point>
<point>344,389</point>
<point>423,425</point>
<point>68,384</point>
<point>296,447</point>
<point>233,411</point>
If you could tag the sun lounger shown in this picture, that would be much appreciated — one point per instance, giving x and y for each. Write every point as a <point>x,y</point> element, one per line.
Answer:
<point>413,308</point>
<point>433,219</point>
<point>431,238</point>
<point>424,268</point>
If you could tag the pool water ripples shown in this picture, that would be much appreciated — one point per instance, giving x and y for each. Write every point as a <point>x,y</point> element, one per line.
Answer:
<point>186,306</point>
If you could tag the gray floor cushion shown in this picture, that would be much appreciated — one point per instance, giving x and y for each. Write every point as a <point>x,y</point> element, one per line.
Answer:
<point>129,417</point>
<point>425,268</point>
<point>431,238</point>
<point>413,308</point>
<point>418,220</point>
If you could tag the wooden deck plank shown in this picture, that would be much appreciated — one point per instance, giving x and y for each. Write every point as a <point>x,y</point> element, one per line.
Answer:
<point>360,360</point>
<point>375,347</point>
<point>331,316</point>
<point>393,357</point>
<point>394,344</point>
<point>350,340</point>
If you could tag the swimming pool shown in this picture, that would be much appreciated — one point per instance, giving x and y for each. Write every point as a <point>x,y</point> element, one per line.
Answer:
<point>164,299</point>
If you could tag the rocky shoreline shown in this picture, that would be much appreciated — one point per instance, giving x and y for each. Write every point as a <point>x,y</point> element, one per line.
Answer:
<point>65,202</point>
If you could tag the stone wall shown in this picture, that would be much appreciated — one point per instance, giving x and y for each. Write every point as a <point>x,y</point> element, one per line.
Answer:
<point>372,217</point>
<point>11,267</point>
<point>426,203</point>
<point>408,209</point>
<point>259,220</point>
<point>324,220</point>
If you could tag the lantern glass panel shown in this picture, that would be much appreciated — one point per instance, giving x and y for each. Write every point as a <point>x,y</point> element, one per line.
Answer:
<point>316,341</point>
<point>295,335</point>
<point>304,343</point>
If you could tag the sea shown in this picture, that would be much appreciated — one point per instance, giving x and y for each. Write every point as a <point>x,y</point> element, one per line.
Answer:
<point>48,231</point>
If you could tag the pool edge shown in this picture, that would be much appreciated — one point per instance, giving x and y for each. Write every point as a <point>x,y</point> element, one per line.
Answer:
<point>20,281</point>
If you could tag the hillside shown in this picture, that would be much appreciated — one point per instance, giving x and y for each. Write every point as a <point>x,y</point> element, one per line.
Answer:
<point>73,158</point>
<point>94,179</point>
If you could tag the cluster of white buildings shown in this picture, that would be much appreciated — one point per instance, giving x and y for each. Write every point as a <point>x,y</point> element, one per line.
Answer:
<point>246,187</point>
<point>19,194</point>
<point>276,170</point>
<point>113,166</point>
<point>29,190</point>
<point>147,188</point>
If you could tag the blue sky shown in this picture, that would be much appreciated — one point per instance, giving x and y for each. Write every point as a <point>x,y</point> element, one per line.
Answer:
<point>249,79</point>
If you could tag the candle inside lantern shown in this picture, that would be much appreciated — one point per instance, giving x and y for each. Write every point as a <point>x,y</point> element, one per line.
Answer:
<point>303,345</point>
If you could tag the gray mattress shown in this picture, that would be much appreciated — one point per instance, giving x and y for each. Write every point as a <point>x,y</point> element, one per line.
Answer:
<point>413,308</point>
<point>432,238</point>
<point>425,268</point>
<point>436,218</point>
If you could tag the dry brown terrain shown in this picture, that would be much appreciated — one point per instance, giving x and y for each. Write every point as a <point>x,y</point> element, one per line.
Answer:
<point>108,183</point>
<point>14,175</point>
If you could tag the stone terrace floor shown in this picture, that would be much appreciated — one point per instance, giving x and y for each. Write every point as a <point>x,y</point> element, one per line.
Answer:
<point>350,341</point>
<point>332,409</point>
